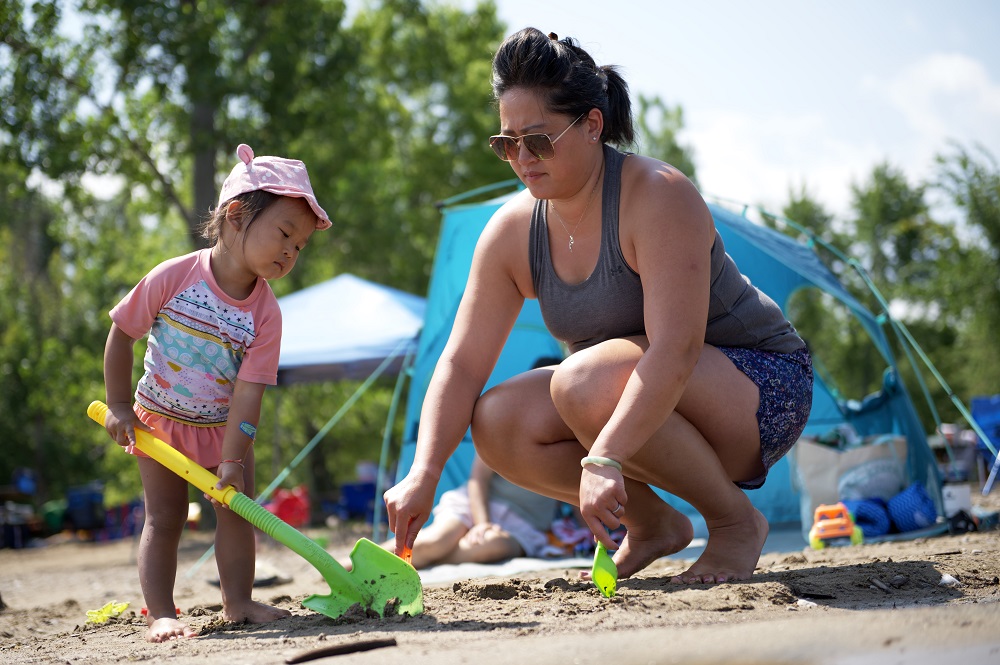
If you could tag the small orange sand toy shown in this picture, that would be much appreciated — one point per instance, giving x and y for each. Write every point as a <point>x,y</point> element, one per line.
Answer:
<point>834,526</point>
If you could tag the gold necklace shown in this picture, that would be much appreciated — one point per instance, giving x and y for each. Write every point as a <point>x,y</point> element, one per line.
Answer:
<point>586,208</point>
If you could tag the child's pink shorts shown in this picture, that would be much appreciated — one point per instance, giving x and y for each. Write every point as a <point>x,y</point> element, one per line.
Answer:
<point>201,444</point>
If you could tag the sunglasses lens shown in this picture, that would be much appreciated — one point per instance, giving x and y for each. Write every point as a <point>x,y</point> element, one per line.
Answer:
<point>499,145</point>
<point>507,147</point>
<point>539,145</point>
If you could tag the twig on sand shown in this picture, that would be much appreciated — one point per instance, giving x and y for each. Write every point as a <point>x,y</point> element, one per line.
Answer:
<point>341,649</point>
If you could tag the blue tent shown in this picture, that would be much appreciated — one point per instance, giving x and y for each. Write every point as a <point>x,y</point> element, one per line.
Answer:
<point>344,328</point>
<point>774,262</point>
<point>528,341</point>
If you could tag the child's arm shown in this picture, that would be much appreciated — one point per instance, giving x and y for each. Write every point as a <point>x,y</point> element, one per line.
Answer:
<point>237,446</point>
<point>478,486</point>
<point>121,420</point>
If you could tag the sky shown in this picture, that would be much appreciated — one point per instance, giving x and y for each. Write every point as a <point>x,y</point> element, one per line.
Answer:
<point>780,94</point>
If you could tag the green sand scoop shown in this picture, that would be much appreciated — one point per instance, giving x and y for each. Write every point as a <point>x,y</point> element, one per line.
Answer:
<point>378,581</point>
<point>604,572</point>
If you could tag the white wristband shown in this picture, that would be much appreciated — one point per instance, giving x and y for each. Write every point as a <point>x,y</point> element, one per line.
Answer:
<point>600,461</point>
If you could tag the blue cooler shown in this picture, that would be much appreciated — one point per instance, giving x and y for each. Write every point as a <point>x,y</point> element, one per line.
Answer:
<point>85,506</point>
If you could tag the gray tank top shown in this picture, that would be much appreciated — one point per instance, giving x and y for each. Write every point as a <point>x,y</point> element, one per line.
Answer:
<point>608,304</point>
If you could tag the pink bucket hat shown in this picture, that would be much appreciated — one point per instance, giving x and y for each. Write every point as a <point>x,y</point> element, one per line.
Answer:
<point>277,175</point>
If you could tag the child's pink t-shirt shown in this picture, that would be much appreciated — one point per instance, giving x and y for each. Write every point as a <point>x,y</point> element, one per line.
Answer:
<point>200,339</point>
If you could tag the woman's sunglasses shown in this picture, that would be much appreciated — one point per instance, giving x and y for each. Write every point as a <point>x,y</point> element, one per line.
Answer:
<point>541,146</point>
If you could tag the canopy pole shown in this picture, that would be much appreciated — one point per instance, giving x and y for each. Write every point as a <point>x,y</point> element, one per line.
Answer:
<point>276,447</point>
<point>384,455</point>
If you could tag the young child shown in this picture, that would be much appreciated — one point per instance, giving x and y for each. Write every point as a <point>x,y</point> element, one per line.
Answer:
<point>214,335</point>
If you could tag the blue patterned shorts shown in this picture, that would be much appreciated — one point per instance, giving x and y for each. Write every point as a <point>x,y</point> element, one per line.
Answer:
<point>785,382</point>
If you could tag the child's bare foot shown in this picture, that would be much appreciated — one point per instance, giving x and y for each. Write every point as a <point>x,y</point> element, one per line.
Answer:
<point>667,533</point>
<point>253,612</point>
<point>731,554</point>
<point>165,629</point>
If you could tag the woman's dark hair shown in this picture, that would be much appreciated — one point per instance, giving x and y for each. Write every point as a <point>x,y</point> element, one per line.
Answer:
<point>568,77</point>
<point>251,204</point>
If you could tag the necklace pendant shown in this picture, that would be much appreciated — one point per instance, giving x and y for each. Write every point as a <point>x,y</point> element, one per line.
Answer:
<point>571,243</point>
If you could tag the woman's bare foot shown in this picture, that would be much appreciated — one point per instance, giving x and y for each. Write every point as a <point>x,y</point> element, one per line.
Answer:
<point>732,551</point>
<point>253,612</point>
<point>165,629</point>
<point>667,533</point>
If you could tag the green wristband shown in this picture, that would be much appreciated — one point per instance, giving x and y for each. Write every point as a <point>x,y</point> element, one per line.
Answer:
<point>600,461</point>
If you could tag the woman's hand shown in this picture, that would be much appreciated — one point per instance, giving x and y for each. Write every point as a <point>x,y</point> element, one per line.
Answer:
<point>408,506</point>
<point>602,501</point>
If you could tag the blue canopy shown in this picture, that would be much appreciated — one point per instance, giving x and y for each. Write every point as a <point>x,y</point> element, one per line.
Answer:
<point>774,262</point>
<point>344,328</point>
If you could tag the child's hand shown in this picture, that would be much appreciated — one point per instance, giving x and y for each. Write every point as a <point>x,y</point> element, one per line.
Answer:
<point>121,423</point>
<point>480,533</point>
<point>230,473</point>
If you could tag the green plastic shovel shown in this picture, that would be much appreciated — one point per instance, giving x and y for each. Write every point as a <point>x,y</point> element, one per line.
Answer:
<point>378,580</point>
<point>604,571</point>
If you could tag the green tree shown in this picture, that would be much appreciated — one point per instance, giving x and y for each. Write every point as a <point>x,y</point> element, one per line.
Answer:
<point>389,112</point>
<point>969,290</point>
<point>910,257</point>
<point>658,126</point>
<point>418,135</point>
<point>54,283</point>
<point>891,226</point>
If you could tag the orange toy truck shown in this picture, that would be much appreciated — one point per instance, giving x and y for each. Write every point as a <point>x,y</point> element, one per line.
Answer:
<point>834,526</point>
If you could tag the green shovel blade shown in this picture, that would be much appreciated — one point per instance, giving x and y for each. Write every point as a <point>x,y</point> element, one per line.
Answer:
<point>389,584</point>
<point>378,580</point>
<point>604,571</point>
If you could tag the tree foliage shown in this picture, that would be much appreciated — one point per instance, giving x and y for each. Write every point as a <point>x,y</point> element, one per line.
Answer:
<point>145,102</point>
<point>939,279</point>
<point>968,288</point>
<point>658,128</point>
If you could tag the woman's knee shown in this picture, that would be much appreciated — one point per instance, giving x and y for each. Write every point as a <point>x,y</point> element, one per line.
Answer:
<point>495,425</point>
<point>570,388</point>
<point>512,417</point>
<point>585,390</point>
<point>491,416</point>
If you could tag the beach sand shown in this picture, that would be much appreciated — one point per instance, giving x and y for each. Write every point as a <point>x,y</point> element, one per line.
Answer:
<point>934,600</point>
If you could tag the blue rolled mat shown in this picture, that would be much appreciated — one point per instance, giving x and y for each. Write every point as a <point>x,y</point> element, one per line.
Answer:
<point>872,515</point>
<point>912,508</point>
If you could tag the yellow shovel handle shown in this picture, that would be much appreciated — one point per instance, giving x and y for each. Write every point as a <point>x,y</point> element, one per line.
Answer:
<point>190,471</point>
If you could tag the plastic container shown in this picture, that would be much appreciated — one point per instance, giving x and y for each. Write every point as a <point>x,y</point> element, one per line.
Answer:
<point>957,496</point>
<point>85,506</point>
<point>292,506</point>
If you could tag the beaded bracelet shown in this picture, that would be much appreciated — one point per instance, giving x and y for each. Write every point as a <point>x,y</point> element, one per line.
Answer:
<point>601,461</point>
<point>233,461</point>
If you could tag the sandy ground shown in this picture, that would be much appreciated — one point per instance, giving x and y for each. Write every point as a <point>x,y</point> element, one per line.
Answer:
<point>935,600</point>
